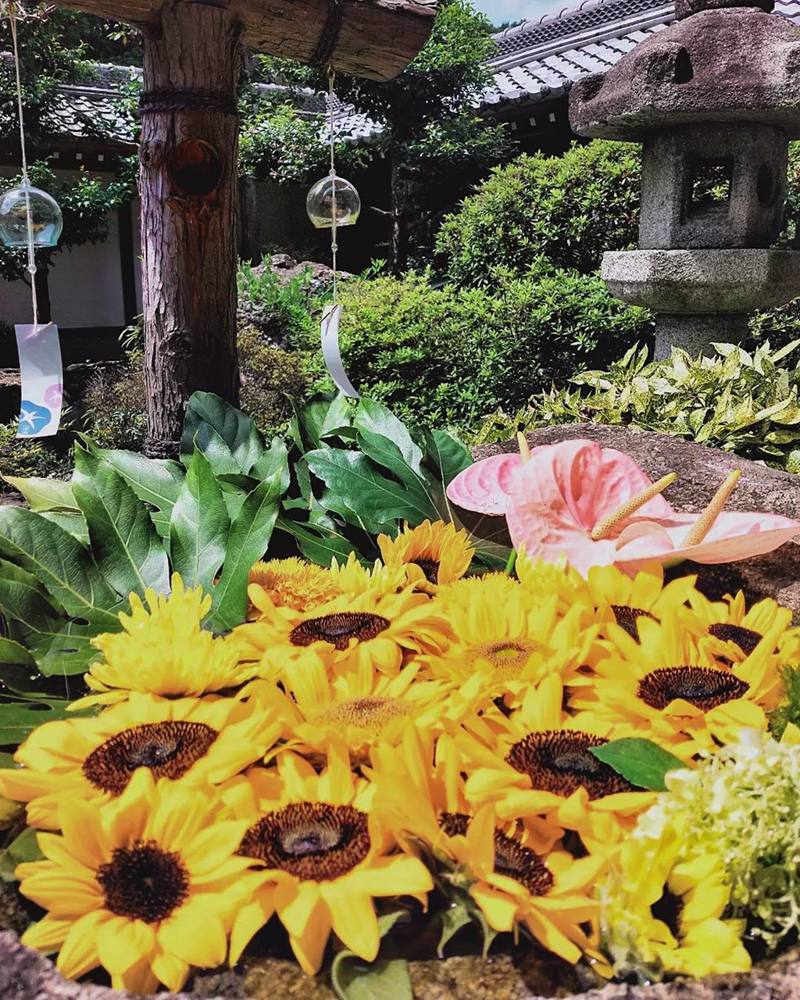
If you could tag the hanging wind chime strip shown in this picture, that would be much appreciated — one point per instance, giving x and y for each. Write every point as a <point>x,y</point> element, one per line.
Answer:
<point>332,354</point>
<point>41,374</point>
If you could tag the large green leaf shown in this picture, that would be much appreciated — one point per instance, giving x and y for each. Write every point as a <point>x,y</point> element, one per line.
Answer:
<point>643,763</point>
<point>73,523</point>
<point>44,494</point>
<point>23,600</point>
<point>309,420</point>
<point>60,563</point>
<point>65,648</point>
<point>383,979</point>
<point>385,452</point>
<point>247,543</point>
<point>199,526</point>
<point>14,653</point>
<point>272,459</point>
<point>374,419</point>
<point>17,721</point>
<point>156,481</point>
<point>320,547</point>
<point>356,480</point>
<point>210,421</point>
<point>124,540</point>
<point>447,457</point>
<point>25,847</point>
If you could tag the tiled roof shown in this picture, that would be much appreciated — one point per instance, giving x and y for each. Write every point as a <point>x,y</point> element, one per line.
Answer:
<point>533,62</point>
<point>540,60</point>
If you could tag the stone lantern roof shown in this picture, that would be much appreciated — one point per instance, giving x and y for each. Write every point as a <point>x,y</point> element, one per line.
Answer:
<point>721,65</point>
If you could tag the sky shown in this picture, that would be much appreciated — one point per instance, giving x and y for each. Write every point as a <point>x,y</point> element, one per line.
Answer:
<point>514,10</point>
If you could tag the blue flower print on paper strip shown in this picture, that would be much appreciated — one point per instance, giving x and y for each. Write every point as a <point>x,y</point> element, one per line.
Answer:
<point>32,418</point>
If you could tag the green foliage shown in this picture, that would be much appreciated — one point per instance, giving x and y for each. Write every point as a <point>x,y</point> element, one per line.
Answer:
<point>448,356</point>
<point>115,413</point>
<point>271,379</point>
<point>567,209</point>
<point>789,709</point>
<point>278,309</point>
<point>30,456</point>
<point>740,402</point>
<point>640,761</point>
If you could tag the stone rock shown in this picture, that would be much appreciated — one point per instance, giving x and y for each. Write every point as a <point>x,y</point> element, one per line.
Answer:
<point>26,975</point>
<point>703,281</point>
<point>700,471</point>
<point>685,8</point>
<point>694,72</point>
<point>286,269</point>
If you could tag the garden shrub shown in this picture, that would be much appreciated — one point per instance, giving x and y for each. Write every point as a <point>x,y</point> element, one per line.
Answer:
<point>271,378</point>
<point>566,209</point>
<point>447,356</point>
<point>280,310</point>
<point>25,456</point>
<point>115,409</point>
<point>740,402</point>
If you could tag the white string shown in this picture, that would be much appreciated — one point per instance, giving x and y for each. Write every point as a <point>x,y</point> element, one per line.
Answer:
<point>334,244</point>
<point>12,17</point>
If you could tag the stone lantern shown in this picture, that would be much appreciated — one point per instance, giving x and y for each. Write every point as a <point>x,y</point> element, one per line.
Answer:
<point>714,99</point>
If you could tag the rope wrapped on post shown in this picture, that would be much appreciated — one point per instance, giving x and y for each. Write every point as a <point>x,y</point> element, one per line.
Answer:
<point>187,99</point>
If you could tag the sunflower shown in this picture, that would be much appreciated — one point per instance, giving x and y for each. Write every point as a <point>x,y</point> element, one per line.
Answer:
<point>163,650</point>
<point>621,600</point>
<point>540,765</point>
<point>734,632</point>
<point>420,783</point>
<point>186,740</point>
<point>365,631</point>
<point>353,578</point>
<point>670,687</point>
<point>662,913</point>
<point>432,554</point>
<point>292,583</point>
<point>511,883</point>
<point>511,639</point>
<point>361,707</point>
<point>145,887</point>
<point>325,854</point>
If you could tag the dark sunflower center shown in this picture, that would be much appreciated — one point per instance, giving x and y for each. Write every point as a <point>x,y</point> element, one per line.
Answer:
<point>668,909</point>
<point>313,841</point>
<point>338,629</point>
<point>430,567</point>
<point>521,863</point>
<point>169,749</point>
<point>143,882</point>
<point>746,639</point>
<point>703,687</point>
<point>628,618</point>
<point>510,857</point>
<point>561,762</point>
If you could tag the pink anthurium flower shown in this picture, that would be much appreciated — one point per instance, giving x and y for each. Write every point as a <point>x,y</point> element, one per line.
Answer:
<point>594,506</point>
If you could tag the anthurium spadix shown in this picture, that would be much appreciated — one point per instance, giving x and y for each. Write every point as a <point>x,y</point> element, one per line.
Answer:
<point>594,506</point>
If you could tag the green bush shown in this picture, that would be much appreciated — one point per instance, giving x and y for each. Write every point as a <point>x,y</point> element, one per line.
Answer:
<point>47,457</point>
<point>115,406</point>
<point>740,402</point>
<point>448,356</point>
<point>566,209</point>
<point>279,310</point>
<point>271,379</point>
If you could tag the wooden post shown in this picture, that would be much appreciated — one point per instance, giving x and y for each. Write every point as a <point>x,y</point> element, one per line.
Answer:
<point>188,180</point>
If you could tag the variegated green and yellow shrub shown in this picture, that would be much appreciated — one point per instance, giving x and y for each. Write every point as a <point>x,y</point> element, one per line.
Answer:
<point>740,402</point>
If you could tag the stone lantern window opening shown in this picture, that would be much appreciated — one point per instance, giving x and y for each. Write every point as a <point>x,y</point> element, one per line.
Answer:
<point>709,187</point>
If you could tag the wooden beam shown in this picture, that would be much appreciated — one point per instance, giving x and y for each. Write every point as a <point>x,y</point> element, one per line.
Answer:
<point>372,38</point>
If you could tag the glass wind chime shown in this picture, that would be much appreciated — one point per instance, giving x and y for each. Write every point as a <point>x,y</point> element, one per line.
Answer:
<point>31,218</point>
<point>333,202</point>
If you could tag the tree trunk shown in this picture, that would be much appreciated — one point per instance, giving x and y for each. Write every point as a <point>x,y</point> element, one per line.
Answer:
<point>188,180</point>
<point>399,221</point>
